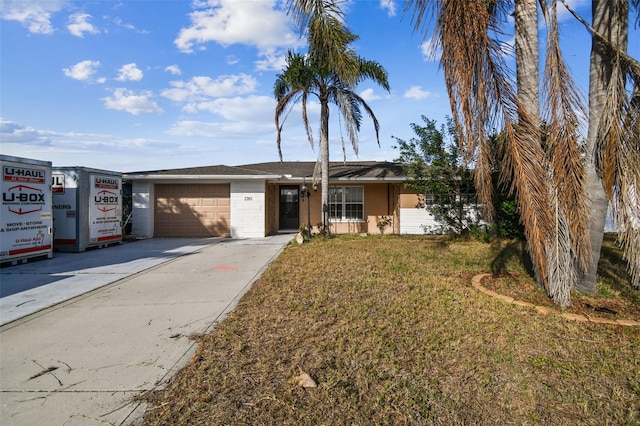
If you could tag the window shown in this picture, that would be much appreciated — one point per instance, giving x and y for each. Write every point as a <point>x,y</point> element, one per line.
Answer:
<point>346,203</point>
<point>429,199</point>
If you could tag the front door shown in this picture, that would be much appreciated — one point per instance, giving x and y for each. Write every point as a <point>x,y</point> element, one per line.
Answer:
<point>289,207</point>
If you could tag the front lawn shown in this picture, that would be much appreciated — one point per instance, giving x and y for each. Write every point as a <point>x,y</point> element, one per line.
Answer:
<point>392,332</point>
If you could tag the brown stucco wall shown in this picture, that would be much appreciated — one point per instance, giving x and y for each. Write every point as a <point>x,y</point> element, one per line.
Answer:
<point>271,209</point>
<point>409,199</point>
<point>380,199</point>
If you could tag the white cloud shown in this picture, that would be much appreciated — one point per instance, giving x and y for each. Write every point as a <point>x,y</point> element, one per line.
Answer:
<point>83,70</point>
<point>576,5</point>
<point>119,22</point>
<point>390,6</point>
<point>79,24</point>
<point>417,92</point>
<point>34,15</point>
<point>275,60</point>
<point>173,69</point>
<point>129,72</point>
<point>430,50</point>
<point>12,132</point>
<point>129,101</point>
<point>215,130</point>
<point>368,95</point>
<point>250,117</point>
<point>255,23</point>
<point>252,108</point>
<point>203,88</point>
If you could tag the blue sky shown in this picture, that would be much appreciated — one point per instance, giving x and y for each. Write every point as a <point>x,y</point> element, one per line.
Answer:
<point>146,85</point>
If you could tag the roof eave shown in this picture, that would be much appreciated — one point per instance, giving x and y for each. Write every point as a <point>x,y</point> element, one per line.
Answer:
<point>151,177</point>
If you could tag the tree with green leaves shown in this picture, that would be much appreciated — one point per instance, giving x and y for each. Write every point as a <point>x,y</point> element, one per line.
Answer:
<point>432,161</point>
<point>329,72</point>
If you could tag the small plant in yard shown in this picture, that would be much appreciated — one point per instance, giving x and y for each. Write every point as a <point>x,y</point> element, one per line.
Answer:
<point>305,231</point>
<point>323,230</point>
<point>384,222</point>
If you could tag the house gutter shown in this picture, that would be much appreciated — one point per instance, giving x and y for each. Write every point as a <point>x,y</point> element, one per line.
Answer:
<point>160,178</point>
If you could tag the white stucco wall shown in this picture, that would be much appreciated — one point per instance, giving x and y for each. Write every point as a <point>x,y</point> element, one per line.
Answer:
<point>412,220</point>
<point>142,218</point>
<point>247,209</point>
<point>415,220</point>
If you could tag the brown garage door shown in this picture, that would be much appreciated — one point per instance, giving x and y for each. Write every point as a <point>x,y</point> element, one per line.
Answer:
<point>194,210</point>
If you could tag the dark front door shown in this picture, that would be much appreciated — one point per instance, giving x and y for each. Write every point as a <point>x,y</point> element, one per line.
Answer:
<point>289,207</point>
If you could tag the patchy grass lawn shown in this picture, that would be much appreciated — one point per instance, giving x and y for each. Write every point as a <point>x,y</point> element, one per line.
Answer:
<point>615,298</point>
<point>393,333</point>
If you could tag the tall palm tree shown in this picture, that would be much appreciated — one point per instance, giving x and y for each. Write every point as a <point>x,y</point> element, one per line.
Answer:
<point>568,247</point>
<point>481,97</point>
<point>330,72</point>
<point>546,177</point>
<point>613,138</point>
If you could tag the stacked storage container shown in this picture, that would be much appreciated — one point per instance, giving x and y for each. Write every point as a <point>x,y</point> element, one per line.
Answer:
<point>26,218</point>
<point>87,208</point>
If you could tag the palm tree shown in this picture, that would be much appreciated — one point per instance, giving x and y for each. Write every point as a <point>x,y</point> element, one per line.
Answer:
<point>330,72</point>
<point>613,138</point>
<point>545,174</point>
<point>483,99</point>
<point>567,190</point>
<point>481,96</point>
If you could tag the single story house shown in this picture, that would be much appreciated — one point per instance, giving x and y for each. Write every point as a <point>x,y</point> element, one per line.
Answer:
<point>257,200</point>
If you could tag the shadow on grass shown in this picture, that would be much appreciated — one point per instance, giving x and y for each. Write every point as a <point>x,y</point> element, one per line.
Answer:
<point>613,273</point>
<point>613,270</point>
<point>509,252</point>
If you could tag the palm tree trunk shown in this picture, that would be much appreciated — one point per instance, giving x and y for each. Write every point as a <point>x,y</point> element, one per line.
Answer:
<point>324,159</point>
<point>528,75</point>
<point>604,22</point>
<point>527,67</point>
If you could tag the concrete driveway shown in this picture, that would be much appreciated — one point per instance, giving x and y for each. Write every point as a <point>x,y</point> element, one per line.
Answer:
<point>119,324</point>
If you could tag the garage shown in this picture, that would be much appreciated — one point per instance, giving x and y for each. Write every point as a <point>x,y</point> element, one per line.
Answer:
<point>192,210</point>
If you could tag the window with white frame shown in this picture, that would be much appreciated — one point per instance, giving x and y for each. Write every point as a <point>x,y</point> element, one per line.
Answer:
<point>346,203</point>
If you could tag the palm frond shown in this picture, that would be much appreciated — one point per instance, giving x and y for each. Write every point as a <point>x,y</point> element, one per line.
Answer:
<point>619,165</point>
<point>560,256</point>
<point>617,145</point>
<point>483,99</point>
<point>372,116</point>
<point>281,109</point>
<point>350,113</point>
<point>424,11</point>
<point>305,119</point>
<point>373,71</point>
<point>562,114</point>
<point>302,12</point>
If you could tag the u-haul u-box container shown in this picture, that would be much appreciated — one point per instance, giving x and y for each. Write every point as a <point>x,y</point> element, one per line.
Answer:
<point>25,217</point>
<point>87,208</point>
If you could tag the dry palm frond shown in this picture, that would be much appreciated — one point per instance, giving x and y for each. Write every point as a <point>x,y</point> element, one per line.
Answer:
<point>562,113</point>
<point>562,273</point>
<point>620,168</point>
<point>618,145</point>
<point>483,99</point>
